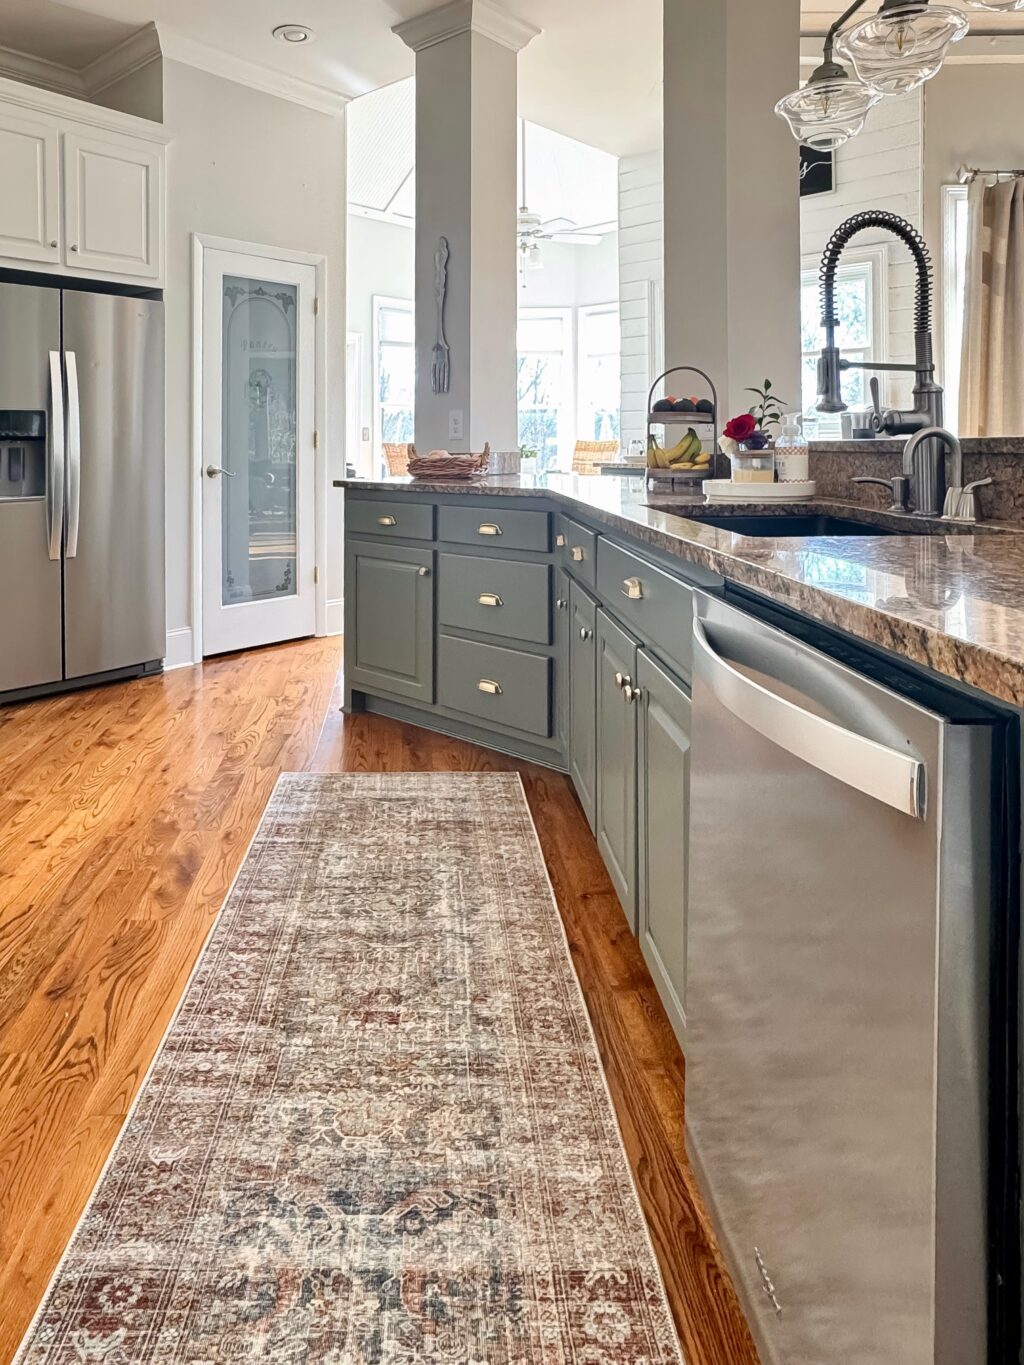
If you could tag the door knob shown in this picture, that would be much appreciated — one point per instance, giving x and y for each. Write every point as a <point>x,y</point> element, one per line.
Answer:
<point>212,470</point>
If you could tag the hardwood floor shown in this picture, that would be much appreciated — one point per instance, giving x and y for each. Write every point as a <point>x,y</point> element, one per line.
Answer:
<point>124,814</point>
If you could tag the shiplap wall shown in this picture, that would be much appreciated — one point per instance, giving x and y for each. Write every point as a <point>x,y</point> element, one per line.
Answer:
<point>641,281</point>
<point>880,169</point>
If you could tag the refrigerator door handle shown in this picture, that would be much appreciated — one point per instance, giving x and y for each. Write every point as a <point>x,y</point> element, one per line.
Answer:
<point>55,472</point>
<point>885,774</point>
<point>74,454</point>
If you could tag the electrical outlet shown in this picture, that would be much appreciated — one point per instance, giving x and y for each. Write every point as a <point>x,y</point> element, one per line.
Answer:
<point>366,433</point>
<point>455,424</point>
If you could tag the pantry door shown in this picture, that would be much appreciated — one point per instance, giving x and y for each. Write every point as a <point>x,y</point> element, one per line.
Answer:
<point>258,450</point>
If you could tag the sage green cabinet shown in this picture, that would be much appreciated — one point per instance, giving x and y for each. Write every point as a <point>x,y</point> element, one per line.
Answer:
<point>389,625</point>
<point>562,625</point>
<point>616,812</point>
<point>583,699</point>
<point>663,800</point>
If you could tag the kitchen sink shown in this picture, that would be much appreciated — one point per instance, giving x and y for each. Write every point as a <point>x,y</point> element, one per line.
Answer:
<point>783,524</point>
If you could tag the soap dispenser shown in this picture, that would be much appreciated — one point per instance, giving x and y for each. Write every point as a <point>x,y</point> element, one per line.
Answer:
<point>792,462</point>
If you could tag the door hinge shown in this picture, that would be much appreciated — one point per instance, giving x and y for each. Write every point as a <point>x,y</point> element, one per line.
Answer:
<point>316,305</point>
<point>316,573</point>
<point>316,440</point>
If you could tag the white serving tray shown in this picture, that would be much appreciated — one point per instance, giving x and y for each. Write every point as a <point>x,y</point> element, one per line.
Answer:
<point>724,490</point>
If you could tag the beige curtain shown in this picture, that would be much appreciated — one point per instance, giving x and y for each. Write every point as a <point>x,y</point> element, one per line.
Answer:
<point>992,366</point>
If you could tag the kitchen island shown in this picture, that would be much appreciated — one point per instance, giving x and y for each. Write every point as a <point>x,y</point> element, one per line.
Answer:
<point>824,883</point>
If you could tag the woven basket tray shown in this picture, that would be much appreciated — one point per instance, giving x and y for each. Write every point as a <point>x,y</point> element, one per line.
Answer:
<point>466,466</point>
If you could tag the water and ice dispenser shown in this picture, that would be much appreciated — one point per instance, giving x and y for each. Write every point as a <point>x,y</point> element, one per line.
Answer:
<point>22,454</point>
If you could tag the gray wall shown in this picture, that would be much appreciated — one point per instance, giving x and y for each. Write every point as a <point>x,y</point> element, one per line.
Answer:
<point>246,165</point>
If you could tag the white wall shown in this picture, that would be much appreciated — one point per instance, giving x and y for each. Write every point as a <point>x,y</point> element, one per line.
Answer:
<point>641,246</point>
<point>246,165</point>
<point>573,276</point>
<point>381,261</point>
<point>880,169</point>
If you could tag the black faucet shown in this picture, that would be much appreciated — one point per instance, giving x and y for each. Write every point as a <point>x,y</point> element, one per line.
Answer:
<point>928,409</point>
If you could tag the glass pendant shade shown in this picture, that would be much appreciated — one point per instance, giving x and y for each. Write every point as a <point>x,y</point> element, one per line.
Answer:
<point>828,110</point>
<point>902,46</point>
<point>1003,6</point>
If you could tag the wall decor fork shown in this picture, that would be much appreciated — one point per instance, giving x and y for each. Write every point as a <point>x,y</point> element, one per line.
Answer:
<point>440,367</point>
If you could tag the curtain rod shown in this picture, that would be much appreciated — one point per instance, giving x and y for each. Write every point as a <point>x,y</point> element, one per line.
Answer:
<point>965,174</point>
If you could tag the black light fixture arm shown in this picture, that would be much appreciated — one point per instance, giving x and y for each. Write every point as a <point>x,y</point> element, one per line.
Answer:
<point>834,30</point>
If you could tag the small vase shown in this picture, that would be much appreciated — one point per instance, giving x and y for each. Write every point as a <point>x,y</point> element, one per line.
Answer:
<point>753,466</point>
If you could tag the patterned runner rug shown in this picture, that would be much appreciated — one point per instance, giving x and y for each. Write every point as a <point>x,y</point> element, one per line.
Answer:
<point>377,1131</point>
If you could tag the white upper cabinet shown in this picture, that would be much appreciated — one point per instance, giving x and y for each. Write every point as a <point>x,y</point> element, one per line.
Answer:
<point>29,173</point>
<point>83,188</point>
<point>112,205</point>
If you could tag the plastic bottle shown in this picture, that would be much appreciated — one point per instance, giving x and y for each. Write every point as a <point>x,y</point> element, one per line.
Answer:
<point>792,461</point>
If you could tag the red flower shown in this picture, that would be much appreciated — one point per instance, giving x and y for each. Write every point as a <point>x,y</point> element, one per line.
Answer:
<point>739,428</point>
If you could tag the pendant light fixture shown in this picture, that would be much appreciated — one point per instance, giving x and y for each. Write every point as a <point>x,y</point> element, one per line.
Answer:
<point>999,6</point>
<point>895,50</point>
<point>903,45</point>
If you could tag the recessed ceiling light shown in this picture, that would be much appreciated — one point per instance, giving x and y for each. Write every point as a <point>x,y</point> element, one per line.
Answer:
<point>294,33</point>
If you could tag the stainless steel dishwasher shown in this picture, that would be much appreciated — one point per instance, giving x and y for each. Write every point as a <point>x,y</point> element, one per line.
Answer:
<point>850,1057</point>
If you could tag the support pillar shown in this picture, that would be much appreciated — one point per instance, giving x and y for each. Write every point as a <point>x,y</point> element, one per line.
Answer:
<point>466,109</point>
<point>732,206</point>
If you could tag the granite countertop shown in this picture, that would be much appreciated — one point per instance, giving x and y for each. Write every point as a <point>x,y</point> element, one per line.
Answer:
<point>951,600</point>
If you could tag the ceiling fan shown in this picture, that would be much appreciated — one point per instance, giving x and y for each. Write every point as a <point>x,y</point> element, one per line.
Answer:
<point>531,229</point>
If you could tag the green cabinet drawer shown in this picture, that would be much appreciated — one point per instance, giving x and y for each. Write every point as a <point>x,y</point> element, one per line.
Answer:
<point>657,605</point>
<point>494,526</point>
<point>579,553</point>
<point>389,517</point>
<point>502,686</point>
<point>509,597</point>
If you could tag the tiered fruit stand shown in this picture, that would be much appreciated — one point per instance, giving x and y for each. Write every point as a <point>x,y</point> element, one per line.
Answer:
<point>670,477</point>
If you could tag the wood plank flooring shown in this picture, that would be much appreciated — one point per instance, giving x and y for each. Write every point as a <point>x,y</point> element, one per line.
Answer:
<point>124,814</point>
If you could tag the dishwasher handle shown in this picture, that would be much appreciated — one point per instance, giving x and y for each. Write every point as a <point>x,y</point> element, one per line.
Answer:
<point>895,778</point>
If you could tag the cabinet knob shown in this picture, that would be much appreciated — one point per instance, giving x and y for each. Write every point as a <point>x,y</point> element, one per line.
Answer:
<point>54,242</point>
<point>423,571</point>
<point>490,528</point>
<point>585,634</point>
<point>633,589</point>
<point>622,680</point>
<point>631,693</point>
<point>489,686</point>
<point>73,247</point>
<point>561,603</point>
<point>577,554</point>
<point>490,599</point>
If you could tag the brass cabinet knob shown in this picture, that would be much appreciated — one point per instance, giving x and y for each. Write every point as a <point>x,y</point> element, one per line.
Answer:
<point>631,693</point>
<point>585,634</point>
<point>489,686</point>
<point>490,528</point>
<point>561,603</point>
<point>622,680</point>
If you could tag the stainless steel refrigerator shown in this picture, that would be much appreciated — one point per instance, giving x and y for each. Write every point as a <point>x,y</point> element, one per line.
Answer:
<point>81,486</point>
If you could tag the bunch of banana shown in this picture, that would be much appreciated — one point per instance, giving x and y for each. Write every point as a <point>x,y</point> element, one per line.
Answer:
<point>684,455</point>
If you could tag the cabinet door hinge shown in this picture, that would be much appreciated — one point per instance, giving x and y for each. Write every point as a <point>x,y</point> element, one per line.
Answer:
<point>316,440</point>
<point>316,305</point>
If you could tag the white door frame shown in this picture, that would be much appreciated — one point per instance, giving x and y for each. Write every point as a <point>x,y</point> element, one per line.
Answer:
<point>201,243</point>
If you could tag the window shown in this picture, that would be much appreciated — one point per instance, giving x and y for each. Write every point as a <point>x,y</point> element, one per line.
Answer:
<point>598,373</point>
<point>394,371</point>
<point>954,281</point>
<point>860,334</point>
<point>544,387</point>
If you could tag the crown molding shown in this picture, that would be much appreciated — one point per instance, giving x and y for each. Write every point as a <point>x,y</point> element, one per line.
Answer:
<point>466,16</point>
<point>189,52</point>
<point>137,51</point>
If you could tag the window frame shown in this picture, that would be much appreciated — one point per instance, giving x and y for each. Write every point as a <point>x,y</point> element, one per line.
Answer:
<point>379,303</point>
<point>567,405</point>
<point>954,283</point>
<point>875,260</point>
<point>584,312</point>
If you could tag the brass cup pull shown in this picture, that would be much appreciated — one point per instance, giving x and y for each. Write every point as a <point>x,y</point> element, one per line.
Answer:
<point>577,554</point>
<point>633,589</point>
<point>490,528</point>
<point>487,685</point>
<point>560,540</point>
<point>490,599</point>
<point>387,521</point>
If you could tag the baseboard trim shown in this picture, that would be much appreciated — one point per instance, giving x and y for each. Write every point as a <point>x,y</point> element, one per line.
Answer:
<point>179,649</point>
<point>334,616</point>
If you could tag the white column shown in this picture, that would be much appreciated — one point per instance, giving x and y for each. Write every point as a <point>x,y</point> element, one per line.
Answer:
<point>466,108</point>
<point>732,206</point>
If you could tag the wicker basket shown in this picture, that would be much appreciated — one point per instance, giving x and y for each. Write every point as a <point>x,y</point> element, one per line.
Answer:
<point>466,466</point>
